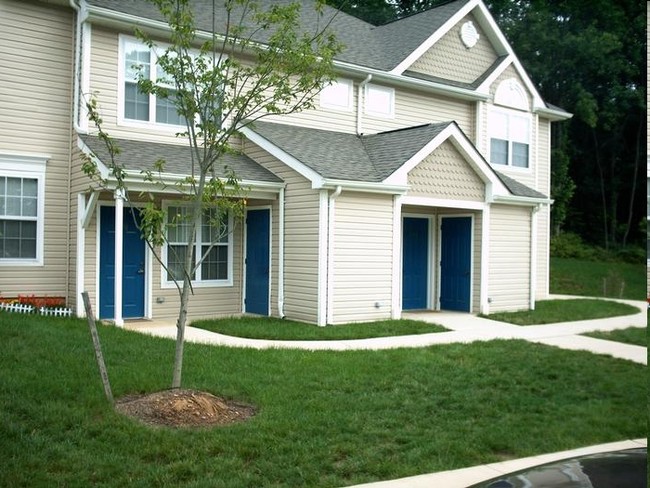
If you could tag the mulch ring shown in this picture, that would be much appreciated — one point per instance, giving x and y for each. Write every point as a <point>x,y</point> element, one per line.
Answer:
<point>183,408</point>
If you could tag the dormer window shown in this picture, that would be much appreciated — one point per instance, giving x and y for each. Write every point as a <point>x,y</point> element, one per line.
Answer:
<point>134,106</point>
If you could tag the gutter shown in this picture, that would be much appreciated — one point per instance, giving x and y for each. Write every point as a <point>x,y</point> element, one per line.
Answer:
<point>281,254</point>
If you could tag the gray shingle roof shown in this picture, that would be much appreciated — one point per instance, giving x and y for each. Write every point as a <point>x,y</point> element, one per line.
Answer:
<point>336,155</point>
<point>519,189</point>
<point>369,158</point>
<point>139,156</point>
<point>382,47</point>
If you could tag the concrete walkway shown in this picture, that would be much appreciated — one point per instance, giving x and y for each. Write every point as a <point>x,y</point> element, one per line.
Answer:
<point>463,328</point>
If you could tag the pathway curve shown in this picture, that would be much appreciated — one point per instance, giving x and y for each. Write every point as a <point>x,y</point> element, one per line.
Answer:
<point>463,328</point>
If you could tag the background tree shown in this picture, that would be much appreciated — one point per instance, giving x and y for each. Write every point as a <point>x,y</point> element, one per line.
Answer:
<point>219,85</point>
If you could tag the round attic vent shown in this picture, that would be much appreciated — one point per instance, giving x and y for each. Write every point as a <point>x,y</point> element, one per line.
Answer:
<point>468,34</point>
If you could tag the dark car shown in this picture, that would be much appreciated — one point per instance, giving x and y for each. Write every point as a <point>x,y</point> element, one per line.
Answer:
<point>618,469</point>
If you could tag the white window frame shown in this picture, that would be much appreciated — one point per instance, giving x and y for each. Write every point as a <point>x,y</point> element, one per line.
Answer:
<point>338,95</point>
<point>28,167</point>
<point>121,80</point>
<point>376,103</point>
<point>510,133</point>
<point>197,281</point>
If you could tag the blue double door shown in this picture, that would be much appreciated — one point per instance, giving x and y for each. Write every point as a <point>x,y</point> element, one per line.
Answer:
<point>258,265</point>
<point>133,264</point>
<point>455,250</point>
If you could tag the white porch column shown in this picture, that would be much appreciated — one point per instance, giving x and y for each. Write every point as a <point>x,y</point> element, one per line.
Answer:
<point>119,237</point>
<point>81,247</point>
<point>396,292</point>
<point>485,261</point>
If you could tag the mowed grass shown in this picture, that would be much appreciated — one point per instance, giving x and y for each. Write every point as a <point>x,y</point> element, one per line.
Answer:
<point>637,336</point>
<point>552,311</point>
<point>598,279</point>
<point>325,419</point>
<point>278,329</point>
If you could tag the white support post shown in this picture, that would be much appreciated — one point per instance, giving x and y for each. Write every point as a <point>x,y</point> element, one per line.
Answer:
<point>396,291</point>
<point>81,247</point>
<point>119,237</point>
<point>485,261</point>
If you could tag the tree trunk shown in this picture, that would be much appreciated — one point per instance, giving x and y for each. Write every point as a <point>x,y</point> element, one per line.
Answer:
<point>637,160</point>
<point>187,286</point>
<point>603,194</point>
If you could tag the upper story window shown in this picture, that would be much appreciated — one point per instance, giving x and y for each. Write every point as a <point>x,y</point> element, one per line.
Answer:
<point>509,133</point>
<point>380,101</point>
<point>134,106</point>
<point>22,184</point>
<point>213,245</point>
<point>337,95</point>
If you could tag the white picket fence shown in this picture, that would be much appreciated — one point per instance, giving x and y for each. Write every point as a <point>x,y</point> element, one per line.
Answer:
<point>24,308</point>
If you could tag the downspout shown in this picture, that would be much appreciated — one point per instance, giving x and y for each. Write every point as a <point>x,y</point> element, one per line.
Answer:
<point>281,254</point>
<point>82,15</point>
<point>331,219</point>
<point>533,255</point>
<point>360,104</point>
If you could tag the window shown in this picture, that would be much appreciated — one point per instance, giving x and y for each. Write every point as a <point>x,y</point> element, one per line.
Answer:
<point>509,138</point>
<point>213,242</point>
<point>21,210</point>
<point>380,101</point>
<point>337,95</point>
<point>136,58</point>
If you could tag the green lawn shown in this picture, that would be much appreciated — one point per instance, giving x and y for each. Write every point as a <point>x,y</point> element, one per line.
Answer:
<point>552,311</point>
<point>637,336</point>
<point>277,329</point>
<point>598,279</point>
<point>326,419</point>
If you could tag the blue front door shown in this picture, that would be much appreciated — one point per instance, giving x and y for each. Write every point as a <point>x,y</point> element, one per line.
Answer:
<point>133,252</point>
<point>258,227</point>
<point>415,263</point>
<point>455,263</point>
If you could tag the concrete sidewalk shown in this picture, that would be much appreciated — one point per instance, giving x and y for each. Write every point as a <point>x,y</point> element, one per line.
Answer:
<point>463,328</point>
<point>461,478</point>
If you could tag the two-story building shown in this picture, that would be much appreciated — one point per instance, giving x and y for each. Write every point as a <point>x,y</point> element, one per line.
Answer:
<point>420,180</point>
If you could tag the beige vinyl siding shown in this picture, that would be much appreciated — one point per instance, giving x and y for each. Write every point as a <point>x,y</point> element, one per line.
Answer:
<point>104,63</point>
<point>417,108</point>
<point>301,238</point>
<point>509,269</point>
<point>450,59</point>
<point>35,118</point>
<point>363,250</point>
<point>446,174</point>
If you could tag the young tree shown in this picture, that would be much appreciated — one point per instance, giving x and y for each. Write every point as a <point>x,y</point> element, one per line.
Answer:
<point>258,60</point>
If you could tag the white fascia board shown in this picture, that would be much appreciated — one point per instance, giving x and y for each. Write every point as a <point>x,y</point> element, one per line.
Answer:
<point>399,80</point>
<point>467,150</point>
<point>519,200</point>
<point>442,203</point>
<point>286,158</point>
<point>432,39</point>
<point>363,186</point>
